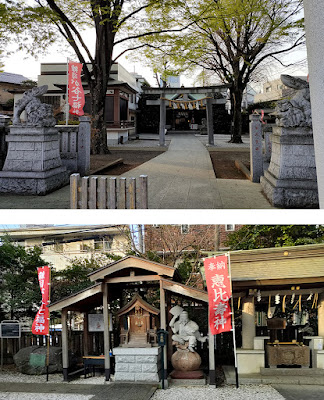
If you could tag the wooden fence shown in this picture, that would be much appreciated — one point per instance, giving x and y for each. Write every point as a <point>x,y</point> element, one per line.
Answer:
<point>95,343</point>
<point>108,193</point>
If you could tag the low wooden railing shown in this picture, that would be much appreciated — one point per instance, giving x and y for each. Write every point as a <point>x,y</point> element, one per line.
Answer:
<point>108,193</point>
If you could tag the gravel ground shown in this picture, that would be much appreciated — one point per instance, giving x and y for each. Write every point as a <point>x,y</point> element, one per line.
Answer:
<point>246,392</point>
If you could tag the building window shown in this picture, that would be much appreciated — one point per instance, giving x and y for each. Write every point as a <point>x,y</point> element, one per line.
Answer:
<point>184,229</point>
<point>104,244</point>
<point>58,247</point>
<point>229,228</point>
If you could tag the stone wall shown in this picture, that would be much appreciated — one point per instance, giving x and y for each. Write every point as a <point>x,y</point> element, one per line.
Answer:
<point>137,364</point>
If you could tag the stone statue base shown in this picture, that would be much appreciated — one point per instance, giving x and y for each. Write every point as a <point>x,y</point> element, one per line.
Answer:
<point>185,360</point>
<point>33,165</point>
<point>290,181</point>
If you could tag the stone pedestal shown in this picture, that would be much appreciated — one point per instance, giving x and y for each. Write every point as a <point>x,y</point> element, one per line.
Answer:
<point>137,364</point>
<point>290,181</point>
<point>250,361</point>
<point>33,165</point>
<point>256,156</point>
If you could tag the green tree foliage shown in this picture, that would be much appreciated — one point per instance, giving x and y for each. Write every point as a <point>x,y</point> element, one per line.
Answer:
<point>234,39</point>
<point>20,295</point>
<point>37,24</point>
<point>264,236</point>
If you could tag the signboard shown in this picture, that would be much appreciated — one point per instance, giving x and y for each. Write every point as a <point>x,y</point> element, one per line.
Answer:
<point>96,322</point>
<point>219,294</point>
<point>10,330</point>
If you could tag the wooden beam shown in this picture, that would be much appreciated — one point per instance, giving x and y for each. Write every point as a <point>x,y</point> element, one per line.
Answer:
<point>184,290</point>
<point>106,331</point>
<point>163,326</point>
<point>65,346</point>
<point>276,282</point>
<point>134,278</point>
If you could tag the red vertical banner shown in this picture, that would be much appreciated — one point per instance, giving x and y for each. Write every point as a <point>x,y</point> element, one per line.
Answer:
<point>41,322</point>
<point>219,294</point>
<point>76,93</point>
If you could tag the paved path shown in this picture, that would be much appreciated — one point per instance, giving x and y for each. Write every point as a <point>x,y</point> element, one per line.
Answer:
<point>300,392</point>
<point>183,178</point>
<point>112,391</point>
<point>180,178</point>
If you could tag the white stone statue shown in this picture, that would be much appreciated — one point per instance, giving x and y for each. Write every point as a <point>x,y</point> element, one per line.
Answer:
<point>297,111</point>
<point>186,332</point>
<point>38,113</point>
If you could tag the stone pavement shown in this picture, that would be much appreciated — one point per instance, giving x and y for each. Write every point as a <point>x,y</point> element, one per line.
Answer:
<point>183,178</point>
<point>180,178</point>
<point>111,391</point>
<point>300,392</point>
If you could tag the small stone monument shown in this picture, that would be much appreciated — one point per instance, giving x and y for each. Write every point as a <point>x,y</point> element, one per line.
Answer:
<point>33,165</point>
<point>290,181</point>
<point>185,361</point>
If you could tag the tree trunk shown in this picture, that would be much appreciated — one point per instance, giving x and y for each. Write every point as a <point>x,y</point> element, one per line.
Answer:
<point>98,131</point>
<point>237,94</point>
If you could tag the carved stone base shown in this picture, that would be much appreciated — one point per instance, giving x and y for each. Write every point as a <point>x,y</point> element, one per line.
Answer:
<point>33,165</point>
<point>290,181</point>
<point>198,374</point>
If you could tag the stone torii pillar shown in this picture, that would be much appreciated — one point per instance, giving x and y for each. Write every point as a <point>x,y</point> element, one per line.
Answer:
<point>209,117</point>
<point>162,119</point>
<point>248,322</point>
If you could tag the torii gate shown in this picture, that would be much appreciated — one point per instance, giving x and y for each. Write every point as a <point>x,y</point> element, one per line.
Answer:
<point>208,91</point>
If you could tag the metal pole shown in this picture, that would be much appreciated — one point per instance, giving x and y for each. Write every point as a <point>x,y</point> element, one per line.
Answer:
<point>67,93</point>
<point>233,322</point>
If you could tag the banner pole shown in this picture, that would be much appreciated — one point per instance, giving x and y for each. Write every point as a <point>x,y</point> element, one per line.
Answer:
<point>49,326</point>
<point>67,93</point>
<point>233,321</point>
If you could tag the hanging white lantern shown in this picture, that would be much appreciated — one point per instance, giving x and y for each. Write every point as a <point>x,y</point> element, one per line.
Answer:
<point>258,296</point>
<point>197,105</point>
<point>277,298</point>
<point>175,106</point>
<point>292,298</point>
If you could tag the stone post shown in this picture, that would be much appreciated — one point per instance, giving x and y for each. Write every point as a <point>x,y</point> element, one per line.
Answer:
<point>314,15</point>
<point>84,134</point>
<point>267,131</point>
<point>248,323</point>
<point>211,356</point>
<point>209,117</point>
<point>320,315</point>
<point>162,119</point>
<point>256,156</point>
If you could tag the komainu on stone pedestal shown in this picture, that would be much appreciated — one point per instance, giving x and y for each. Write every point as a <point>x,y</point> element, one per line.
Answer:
<point>33,165</point>
<point>291,181</point>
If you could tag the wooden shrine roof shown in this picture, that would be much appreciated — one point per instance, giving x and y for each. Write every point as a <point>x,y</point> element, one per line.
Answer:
<point>136,266</point>
<point>137,299</point>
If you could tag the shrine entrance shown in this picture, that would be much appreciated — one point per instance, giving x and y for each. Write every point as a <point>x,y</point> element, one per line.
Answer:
<point>132,298</point>
<point>184,108</point>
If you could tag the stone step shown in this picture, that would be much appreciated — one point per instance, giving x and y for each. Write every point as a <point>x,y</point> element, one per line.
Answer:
<point>292,371</point>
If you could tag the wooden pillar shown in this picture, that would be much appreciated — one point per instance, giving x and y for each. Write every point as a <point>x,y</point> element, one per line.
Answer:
<point>209,118</point>
<point>85,334</point>
<point>320,314</point>
<point>116,107</point>
<point>162,119</point>
<point>163,326</point>
<point>106,330</point>
<point>65,347</point>
<point>170,347</point>
<point>248,323</point>
<point>211,355</point>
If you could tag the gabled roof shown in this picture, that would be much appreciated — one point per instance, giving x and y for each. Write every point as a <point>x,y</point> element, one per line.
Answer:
<point>8,77</point>
<point>132,262</point>
<point>83,300</point>
<point>137,299</point>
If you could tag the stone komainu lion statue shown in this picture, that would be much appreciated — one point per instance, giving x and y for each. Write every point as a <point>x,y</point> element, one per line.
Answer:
<point>38,113</point>
<point>297,111</point>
